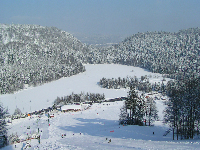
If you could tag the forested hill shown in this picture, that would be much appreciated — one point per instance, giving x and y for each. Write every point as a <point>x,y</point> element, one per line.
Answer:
<point>176,54</point>
<point>32,54</point>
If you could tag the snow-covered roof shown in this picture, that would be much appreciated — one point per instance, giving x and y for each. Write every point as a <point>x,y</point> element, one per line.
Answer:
<point>67,107</point>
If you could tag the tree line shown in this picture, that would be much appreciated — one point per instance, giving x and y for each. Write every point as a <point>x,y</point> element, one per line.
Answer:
<point>182,113</point>
<point>82,97</point>
<point>141,84</point>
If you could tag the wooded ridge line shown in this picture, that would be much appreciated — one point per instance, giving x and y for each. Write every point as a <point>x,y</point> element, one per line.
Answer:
<point>31,55</point>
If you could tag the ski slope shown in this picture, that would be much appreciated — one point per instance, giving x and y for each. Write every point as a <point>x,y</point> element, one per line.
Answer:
<point>88,130</point>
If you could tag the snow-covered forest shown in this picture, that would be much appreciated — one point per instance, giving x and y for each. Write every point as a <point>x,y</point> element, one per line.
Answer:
<point>32,55</point>
<point>175,54</point>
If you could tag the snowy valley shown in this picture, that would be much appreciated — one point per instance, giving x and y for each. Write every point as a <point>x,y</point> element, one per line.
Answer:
<point>39,65</point>
<point>36,98</point>
<point>91,128</point>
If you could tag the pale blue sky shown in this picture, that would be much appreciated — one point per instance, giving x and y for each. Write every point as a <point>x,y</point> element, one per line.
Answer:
<point>124,17</point>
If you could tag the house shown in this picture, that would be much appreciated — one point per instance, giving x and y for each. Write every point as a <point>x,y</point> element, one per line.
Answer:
<point>67,108</point>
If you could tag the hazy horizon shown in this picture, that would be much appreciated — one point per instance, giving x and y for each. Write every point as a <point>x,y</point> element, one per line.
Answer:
<point>102,17</point>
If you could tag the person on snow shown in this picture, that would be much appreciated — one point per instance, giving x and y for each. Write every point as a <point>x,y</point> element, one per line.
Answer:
<point>109,141</point>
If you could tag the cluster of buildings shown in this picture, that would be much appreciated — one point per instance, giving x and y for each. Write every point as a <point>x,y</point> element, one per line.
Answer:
<point>51,110</point>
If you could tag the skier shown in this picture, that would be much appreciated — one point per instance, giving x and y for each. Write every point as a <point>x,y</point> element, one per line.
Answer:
<point>109,141</point>
<point>39,139</point>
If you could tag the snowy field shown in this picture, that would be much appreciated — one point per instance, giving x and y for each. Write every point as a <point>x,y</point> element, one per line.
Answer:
<point>89,129</point>
<point>37,98</point>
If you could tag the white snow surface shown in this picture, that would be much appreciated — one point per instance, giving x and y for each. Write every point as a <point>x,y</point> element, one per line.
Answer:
<point>88,129</point>
<point>40,97</point>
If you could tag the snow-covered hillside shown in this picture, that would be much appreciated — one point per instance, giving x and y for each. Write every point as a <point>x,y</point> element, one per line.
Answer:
<point>89,129</point>
<point>33,55</point>
<point>37,98</point>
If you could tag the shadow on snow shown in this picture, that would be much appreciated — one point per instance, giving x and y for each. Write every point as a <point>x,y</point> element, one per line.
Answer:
<point>111,128</point>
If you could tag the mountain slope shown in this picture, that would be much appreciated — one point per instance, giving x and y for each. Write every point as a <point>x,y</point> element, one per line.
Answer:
<point>175,54</point>
<point>32,54</point>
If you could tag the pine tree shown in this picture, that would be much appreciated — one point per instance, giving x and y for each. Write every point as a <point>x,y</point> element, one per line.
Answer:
<point>123,115</point>
<point>17,112</point>
<point>136,107</point>
<point>3,129</point>
<point>182,112</point>
<point>150,111</point>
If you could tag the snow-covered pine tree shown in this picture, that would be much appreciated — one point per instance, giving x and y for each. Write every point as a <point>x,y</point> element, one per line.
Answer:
<point>150,111</point>
<point>123,115</point>
<point>182,112</point>
<point>136,106</point>
<point>3,129</point>
<point>140,105</point>
<point>17,112</point>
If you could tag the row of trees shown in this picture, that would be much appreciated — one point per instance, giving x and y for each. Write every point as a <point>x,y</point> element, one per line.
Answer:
<point>142,85</point>
<point>182,113</point>
<point>73,98</point>
<point>137,111</point>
